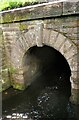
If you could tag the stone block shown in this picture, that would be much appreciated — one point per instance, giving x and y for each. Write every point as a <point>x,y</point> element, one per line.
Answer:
<point>46,35</point>
<point>55,24</point>
<point>16,78</point>
<point>65,47</point>
<point>70,7</point>
<point>32,12</point>
<point>39,34</point>
<point>74,63</point>
<point>53,37</point>
<point>5,81</point>
<point>30,38</point>
<point>59,41</point>
<point>70,22</point>
<point>75,96</point>
<point>71,52</point>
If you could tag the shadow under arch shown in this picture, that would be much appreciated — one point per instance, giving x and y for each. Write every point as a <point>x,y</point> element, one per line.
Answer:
<point>49,65</point>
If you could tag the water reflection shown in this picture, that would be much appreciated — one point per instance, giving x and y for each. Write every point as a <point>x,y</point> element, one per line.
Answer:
<point>38,103</point>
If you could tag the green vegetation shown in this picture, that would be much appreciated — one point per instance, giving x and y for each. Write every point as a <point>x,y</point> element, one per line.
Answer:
<point>10,4</point>
<point>18,86</point>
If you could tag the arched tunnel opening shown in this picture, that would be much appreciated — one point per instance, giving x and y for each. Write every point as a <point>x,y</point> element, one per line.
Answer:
<point>47,74</point>
<point>45,66</point>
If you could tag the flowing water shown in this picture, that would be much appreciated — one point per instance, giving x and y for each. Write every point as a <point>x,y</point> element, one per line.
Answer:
<point>38,102</point>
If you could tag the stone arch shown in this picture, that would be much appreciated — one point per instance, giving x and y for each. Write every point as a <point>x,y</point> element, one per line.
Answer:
<point>66,47</point>
<point>70,51</point>
<point>31,37</point>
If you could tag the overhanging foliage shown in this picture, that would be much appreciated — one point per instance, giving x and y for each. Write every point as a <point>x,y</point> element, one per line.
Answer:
<point>9,4</point>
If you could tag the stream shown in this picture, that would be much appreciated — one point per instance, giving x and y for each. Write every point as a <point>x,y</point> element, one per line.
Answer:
<point>38,102</point>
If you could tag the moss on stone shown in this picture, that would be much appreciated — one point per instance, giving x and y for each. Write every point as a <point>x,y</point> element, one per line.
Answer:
<point>6,85</point>
<point>16,16</point>
<point>22,16</point>
<point>23,27</point>
<point>12,70</point>
<point>5,81</point>
<point>19,86</point>
<point>7,17</point>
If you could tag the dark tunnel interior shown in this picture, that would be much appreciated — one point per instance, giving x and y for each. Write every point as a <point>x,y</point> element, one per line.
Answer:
<point>49,65</point>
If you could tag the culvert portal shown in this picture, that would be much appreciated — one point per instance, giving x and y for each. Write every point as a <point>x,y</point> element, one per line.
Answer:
<point>47,96</point>
<point>49,65</point>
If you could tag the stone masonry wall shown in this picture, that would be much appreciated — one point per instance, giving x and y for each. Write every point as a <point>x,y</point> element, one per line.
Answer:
<point>53,24</point>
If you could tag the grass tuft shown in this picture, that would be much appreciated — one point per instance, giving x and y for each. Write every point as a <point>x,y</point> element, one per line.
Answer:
<point>10,4</point>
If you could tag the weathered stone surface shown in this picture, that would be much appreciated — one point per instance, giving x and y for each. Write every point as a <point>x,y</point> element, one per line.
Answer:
<point>32,12</point>
<point>67,26</point>
<point>75,96</point>
<point>39,34</point>
<point>74,63</point>
<point>65,47</point>
<point>6,83</point>
<point>53,37</point>
<point>0,58</point>
<point>40,11</point>
<point>59,41</point>
<point>4,74</point>
<point>54,24</point>
<point>70,7</point>
<point>71,52</point>
<point>46,36</point>
<point>75,75</point>
<point>17,81</point>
